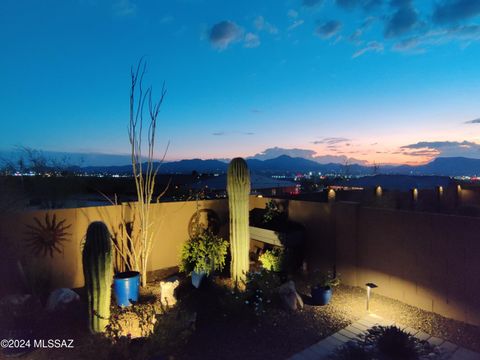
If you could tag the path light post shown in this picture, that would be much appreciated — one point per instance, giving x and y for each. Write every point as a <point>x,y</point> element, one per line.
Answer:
<point>370,286</point>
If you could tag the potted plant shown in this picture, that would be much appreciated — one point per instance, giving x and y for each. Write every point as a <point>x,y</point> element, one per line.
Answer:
<point>322,289</point>
<point>203,254</point>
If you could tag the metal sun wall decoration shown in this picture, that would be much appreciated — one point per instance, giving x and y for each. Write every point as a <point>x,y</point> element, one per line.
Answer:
<point>45,238</point>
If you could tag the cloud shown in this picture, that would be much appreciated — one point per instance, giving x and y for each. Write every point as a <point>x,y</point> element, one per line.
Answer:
<point>463,33</point>
<point>371,46</point>
<point>256,111</point>
<point>224,133</point>
<point>251,41</point>
<point>474,121</point>
<point>292,14</point>
<point>124,8</point>
<point>367,5</point>
<point>443,148</point>
<point>328,29</point>
<point>332,140</point>
<point>262,25</point>
<point>402,21</point>
<point>295,24</point>
<point>367,23</point>
<point>272,153</point>
<point>407,44</point>
<point>347,4</point>
<point>224,33</point>
<point>455,10</point>
<point>312,3</point>
<point>167,19</point>
<point>338,159</point>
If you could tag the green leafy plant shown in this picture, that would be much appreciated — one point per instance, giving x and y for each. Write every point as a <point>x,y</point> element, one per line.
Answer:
<point>273,260</point>
<point>272,212</point>
<point>328,279</point>
<point>204,253</point>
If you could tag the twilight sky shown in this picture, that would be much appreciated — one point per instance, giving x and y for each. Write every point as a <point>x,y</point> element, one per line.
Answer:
<point>385,81</point>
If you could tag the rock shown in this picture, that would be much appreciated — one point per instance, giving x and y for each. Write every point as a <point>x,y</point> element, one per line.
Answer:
<point>60,298</point>
<point>134,323</point>
<point>15,299</point>
<point>167,291</point>
<point>290,298</point>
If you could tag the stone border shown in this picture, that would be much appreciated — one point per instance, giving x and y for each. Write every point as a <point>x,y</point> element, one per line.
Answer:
<point>325,347</point>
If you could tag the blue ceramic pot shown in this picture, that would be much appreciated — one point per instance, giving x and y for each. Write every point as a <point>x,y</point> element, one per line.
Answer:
<point>126,286</point>
<point>321,295</point>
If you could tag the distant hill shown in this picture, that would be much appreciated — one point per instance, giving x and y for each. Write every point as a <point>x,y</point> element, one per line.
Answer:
<point>284,164</point>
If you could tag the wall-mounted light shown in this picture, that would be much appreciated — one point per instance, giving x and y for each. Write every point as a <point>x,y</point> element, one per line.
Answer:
<point>370,286</point>
<point>378,191</point>
<point>415,194</point>
<point>439,191</point>
<point>259,196</point>
<point>459,189</point>
<point>331,195</point>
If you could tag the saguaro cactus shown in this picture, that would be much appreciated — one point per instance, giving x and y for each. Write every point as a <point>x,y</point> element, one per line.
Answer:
<point>238,189</point>
<point>98,273</point>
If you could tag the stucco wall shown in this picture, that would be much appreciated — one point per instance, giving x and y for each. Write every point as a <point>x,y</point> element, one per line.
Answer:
<point>427,260</point>
<point>170,224</point>
<point>431,261</point>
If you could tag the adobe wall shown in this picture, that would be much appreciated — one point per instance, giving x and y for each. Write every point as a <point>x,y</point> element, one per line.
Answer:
<point>431,261</point>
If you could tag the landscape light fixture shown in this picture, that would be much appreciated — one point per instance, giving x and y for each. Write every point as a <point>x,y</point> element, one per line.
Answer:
<point>370,286</point>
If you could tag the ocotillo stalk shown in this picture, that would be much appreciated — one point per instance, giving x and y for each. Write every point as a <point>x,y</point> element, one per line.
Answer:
<point>98,273</point>
<point>238,189</point>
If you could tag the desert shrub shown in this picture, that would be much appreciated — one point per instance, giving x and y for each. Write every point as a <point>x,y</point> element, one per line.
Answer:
<point>391,342</point>
<point>386,343</point>
<point>394,343</point>
<point>272,212</point>
<point>351,351</point>
<point>259,295</point>
<point>273,260</point>
<point>205,252</point>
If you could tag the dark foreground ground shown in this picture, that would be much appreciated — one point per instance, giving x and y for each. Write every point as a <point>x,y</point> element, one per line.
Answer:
<point>276,334</point>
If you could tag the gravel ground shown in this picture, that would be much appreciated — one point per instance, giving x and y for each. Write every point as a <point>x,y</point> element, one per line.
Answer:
<point>283,334</point>
<point>279,335</point>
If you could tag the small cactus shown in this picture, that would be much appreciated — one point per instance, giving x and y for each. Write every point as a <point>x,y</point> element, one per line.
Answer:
<point>238,189</point>
<point>98,273</point>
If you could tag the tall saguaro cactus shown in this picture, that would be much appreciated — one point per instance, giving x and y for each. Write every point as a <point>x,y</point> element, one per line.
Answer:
<point>238,189</point>
<point>98,273</point>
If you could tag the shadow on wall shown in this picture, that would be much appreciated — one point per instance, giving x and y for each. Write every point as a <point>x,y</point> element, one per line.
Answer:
<point>170,221</point>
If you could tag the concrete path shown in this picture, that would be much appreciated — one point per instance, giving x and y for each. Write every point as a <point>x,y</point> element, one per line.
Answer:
<point>325,347</point>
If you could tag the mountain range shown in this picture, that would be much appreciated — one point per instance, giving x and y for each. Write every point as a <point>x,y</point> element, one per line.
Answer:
<point>284,164</point>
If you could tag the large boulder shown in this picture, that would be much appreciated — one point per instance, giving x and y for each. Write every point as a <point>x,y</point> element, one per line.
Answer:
<point>60,299</point>
<point>290,297</point>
